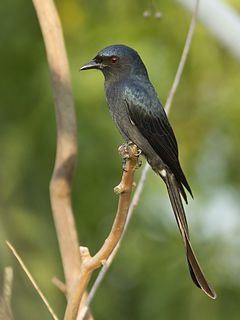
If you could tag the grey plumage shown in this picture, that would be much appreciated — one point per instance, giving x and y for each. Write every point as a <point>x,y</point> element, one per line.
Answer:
<point>140,118</point>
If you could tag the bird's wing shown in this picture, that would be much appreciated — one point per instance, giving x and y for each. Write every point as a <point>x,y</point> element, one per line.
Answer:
<point>149,117</point>
<point>155,127</point>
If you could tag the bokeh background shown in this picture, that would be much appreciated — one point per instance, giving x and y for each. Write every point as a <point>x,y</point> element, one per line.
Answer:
<point>149,277</point>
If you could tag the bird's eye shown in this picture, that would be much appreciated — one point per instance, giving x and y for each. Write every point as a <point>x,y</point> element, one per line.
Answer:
<point>114,59</point>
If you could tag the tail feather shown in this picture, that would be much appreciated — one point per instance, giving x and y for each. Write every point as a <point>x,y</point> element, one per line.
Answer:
<point>195,270</point>
<point>183,193</point>
<point>180,177</point>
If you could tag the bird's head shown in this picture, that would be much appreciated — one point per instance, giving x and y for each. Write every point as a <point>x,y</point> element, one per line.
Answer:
<point>116,62</point>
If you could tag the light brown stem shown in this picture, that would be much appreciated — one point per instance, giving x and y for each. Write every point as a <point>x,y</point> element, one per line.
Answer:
<point>130,154</point>
<point>60,185</point>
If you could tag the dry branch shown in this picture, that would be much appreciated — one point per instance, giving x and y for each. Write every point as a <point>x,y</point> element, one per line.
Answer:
<point>60,186</point>
<point>130,154</point>
<point>146,168</point>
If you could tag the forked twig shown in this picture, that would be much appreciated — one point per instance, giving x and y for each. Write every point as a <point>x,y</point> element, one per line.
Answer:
<point>30,277</point>
<point>130,154</point>
<point>146,168</point>
<point>108,263</point>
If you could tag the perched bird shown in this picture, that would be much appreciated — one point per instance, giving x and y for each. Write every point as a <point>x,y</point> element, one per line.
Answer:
<point>141,119</point>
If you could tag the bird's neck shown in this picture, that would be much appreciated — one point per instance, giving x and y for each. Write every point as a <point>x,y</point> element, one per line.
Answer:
<point>113,80</point>
<point>115,86</point>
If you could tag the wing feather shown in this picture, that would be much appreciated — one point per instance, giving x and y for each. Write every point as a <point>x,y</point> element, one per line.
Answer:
<point>150,118</point>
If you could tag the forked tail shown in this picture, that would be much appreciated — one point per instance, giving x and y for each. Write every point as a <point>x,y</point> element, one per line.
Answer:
<point>195,270</point>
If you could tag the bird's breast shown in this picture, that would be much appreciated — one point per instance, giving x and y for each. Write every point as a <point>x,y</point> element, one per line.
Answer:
<point>117,108</point>
<point>114,96</point>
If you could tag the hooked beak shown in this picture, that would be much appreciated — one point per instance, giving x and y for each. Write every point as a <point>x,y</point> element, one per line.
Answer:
<point>92,65</point>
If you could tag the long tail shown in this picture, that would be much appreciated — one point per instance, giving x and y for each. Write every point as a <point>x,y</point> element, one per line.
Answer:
<point>195,270</point>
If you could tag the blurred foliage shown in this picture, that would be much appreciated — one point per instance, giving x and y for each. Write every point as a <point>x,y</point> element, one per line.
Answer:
<point>235,4</point>
<point>149,278</point>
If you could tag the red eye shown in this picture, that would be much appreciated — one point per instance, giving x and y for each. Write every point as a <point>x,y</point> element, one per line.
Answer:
<point>114,59</point>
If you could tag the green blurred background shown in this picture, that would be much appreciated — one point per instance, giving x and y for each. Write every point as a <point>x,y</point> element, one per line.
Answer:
<point>149,277</point>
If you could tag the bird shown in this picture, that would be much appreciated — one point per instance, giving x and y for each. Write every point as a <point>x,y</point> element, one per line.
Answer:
<point>141,119</point>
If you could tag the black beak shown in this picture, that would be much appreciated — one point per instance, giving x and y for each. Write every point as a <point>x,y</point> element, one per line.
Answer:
<point>92,65</point>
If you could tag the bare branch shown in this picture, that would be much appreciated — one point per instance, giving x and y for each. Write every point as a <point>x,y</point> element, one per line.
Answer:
<point>30,277</point>
<point>130,155</point>
<point>60,186</point>
<point>146,168</point>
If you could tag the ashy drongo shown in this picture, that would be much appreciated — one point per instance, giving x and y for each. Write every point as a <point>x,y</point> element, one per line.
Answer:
<point>141,119</point>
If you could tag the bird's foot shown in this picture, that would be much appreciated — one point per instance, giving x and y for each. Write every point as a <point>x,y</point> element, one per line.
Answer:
<point>139,163</point>
<point>128,151</point>
<point>138,151</point>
